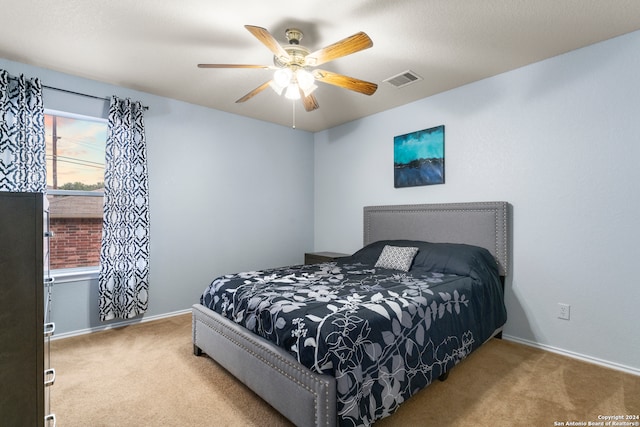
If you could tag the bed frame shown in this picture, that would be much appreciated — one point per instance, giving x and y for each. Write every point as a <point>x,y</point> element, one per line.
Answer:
<point>307,398</point>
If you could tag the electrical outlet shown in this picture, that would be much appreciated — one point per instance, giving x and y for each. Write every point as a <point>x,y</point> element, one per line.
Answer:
<point>564,311</point>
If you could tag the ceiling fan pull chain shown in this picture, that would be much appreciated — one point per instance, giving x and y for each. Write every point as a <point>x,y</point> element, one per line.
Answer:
<point>293,108</point>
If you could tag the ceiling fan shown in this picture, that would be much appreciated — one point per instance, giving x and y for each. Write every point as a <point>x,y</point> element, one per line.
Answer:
<point>295,66</point>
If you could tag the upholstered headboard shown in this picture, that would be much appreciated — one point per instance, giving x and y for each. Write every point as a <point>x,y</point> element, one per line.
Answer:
<point>483,224</point>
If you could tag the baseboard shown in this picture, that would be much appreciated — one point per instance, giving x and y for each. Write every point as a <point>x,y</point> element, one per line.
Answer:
<point>119,324</point>
<point>574,355</point>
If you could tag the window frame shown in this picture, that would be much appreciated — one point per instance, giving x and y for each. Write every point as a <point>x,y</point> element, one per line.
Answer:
<point>74,274</point>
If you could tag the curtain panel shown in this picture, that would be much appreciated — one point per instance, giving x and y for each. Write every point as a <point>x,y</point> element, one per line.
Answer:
<point>23,166</point>
<point>124,256</point>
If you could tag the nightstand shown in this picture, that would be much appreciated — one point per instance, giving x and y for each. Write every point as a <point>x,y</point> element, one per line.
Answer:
<point>320,257</point>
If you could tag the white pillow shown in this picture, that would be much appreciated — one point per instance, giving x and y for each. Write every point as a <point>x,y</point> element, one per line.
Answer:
<point>396,257</point>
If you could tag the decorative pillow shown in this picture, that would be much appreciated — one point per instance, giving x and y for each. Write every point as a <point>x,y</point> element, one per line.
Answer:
<point>370,253</point>
<point>396,257</point>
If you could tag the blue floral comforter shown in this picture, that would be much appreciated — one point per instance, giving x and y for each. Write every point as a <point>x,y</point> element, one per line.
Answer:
<point>383,334</point>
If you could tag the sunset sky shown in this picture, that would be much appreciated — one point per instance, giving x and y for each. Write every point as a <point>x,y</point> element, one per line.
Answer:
<point>80,150</point>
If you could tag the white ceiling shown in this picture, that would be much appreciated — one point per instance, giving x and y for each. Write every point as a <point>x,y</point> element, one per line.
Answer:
<point>154,45</point>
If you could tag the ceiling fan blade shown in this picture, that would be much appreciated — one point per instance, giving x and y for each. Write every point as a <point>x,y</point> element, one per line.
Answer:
<point>269,41</point>
<point>231,66</point>
<point>310,102</point>
<point>346,82</point>
<point>254,92</point>
<point>344,47</point>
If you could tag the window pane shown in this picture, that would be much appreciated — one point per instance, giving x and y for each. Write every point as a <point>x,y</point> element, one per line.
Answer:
<point>75,161</point>
<point>75,153</point>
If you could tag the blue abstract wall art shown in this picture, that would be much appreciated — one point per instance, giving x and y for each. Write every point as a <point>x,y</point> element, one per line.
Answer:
<point>418,158</point>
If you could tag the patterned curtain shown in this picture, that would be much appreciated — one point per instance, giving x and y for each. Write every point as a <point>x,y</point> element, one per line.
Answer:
<point>124,255</point>
<point>22,149</point>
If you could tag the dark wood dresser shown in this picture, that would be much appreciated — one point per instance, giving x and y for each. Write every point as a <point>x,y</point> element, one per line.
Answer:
<point>21,310</point>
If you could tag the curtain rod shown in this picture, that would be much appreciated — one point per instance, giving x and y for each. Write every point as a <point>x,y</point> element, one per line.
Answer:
<point>82,94</point>
<point>76,93</point>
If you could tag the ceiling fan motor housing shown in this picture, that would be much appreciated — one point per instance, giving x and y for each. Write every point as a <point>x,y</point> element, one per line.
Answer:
<point>294,49</point>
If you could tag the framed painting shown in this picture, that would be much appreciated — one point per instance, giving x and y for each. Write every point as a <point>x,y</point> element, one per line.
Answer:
<point>418,158</point>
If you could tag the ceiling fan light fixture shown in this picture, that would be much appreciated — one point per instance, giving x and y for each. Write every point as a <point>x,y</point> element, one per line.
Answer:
<point>291,82</point>
<point>305,79</point>
<point>281,80</point>
<point>292,92</point>
<point>283,77</point>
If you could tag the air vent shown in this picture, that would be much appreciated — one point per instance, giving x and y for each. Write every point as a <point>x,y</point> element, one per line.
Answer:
<point>403,79</point>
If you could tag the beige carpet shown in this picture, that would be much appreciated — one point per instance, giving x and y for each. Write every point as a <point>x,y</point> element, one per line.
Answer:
<point>147,375</point>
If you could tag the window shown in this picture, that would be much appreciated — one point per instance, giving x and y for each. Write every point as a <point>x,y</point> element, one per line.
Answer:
<point>75,188</point>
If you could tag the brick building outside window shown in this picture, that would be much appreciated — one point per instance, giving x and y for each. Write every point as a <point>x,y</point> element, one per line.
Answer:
<point>76,223</point>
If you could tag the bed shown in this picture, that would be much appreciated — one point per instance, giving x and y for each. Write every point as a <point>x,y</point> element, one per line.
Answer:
<point>363,334</point>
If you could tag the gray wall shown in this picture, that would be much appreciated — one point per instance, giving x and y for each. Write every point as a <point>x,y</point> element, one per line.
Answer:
<point>559,140</point>
<point>227,194</point>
